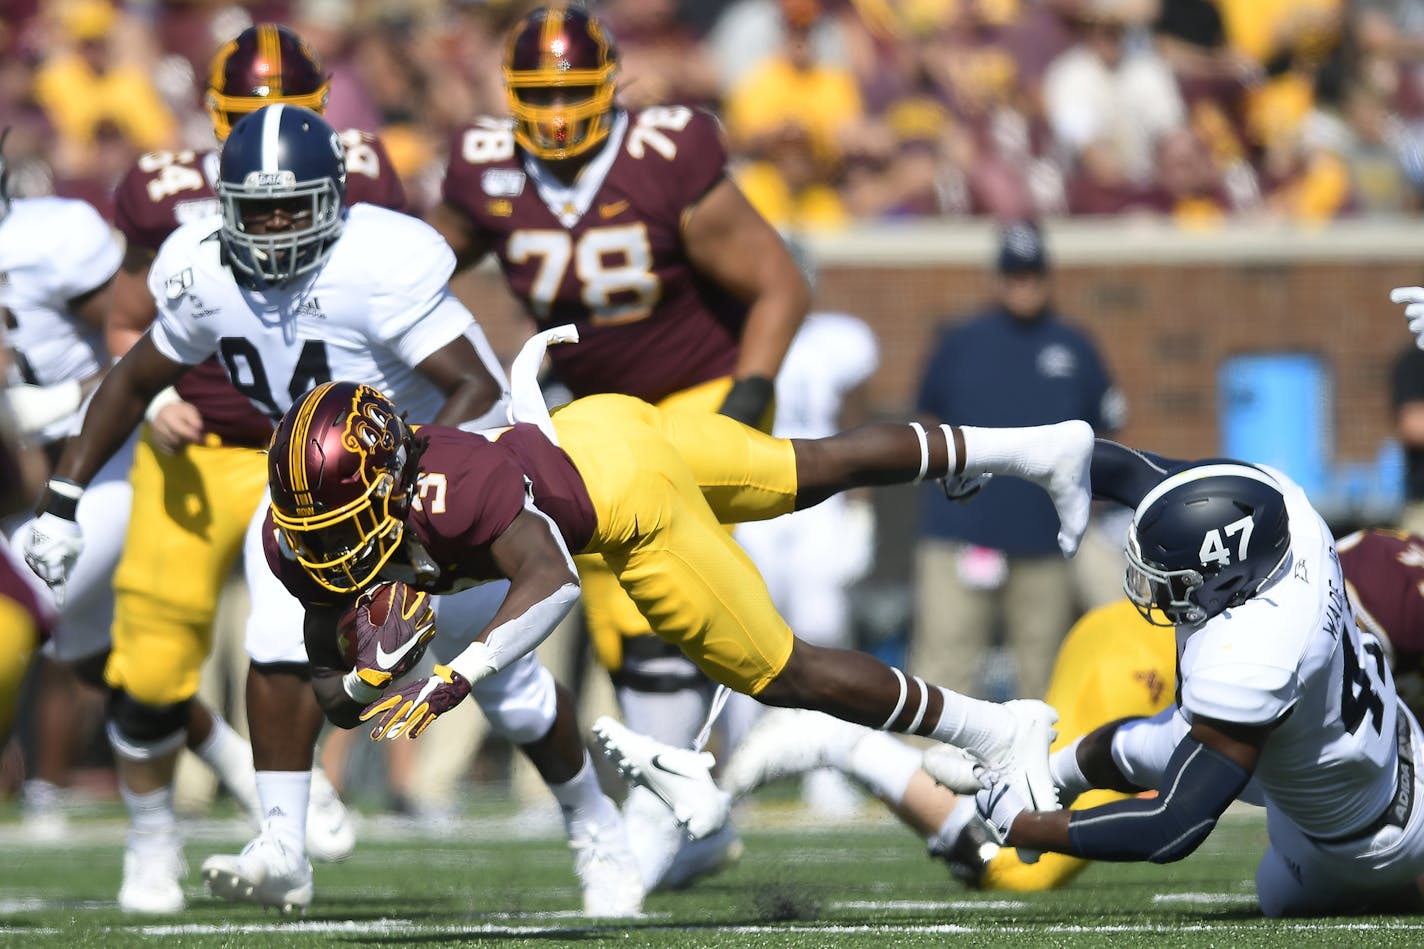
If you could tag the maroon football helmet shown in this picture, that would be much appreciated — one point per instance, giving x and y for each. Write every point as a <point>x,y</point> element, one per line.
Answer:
<point>559,68</point>
<point>267,63</point>
<point>340,467</point>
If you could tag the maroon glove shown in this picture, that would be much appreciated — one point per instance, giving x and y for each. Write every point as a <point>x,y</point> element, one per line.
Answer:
<point>414,707</point>
<point>384,636</point>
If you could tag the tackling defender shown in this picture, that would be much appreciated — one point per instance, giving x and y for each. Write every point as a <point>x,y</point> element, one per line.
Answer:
<point>1282,701</point>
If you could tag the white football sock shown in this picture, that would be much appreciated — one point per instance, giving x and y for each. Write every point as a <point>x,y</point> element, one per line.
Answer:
<point>582,801</point>
<point>230,757</point>
<point>1020,452</point>
<point>882,763</point>
<point>285,796</point>
<point>150,812</point>
<point>972,724</point>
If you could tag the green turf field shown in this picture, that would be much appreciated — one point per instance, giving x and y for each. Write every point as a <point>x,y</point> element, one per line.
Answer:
<point>507,881</point>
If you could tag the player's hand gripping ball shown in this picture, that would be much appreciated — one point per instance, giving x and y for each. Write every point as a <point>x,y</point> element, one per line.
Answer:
<point>383,636</point>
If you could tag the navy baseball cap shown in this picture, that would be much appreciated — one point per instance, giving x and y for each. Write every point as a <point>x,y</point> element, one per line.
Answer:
<point>1021,249</point>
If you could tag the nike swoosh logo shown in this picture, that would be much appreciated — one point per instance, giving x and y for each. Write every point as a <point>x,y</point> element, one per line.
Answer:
<point>387,659</point>
<point>657,763</point>
<point>607,211</point>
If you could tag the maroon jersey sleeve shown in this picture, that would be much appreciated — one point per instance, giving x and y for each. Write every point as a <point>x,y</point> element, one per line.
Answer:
<point>472,489</point>
<point>1385,572</point>
<point>370,175</point>
<point>161,191</point>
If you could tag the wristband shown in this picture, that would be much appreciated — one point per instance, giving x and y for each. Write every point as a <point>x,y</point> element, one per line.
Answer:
<point>165,397</point>
<point>358,690</point>
<point>748,399</point>
<point>62,498</point>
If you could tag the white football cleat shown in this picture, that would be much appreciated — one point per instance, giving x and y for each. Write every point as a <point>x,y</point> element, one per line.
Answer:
<point>786,742</point>
<point>266,872</point>
<point>153,872</point>
<point>1021,759</point>
<point>612,884</point>
<point>331,833</point>
<point>702,858</point>
<point>680,777</point>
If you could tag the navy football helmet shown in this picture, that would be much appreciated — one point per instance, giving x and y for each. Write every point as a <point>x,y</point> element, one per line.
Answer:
<point>1205,540</point>
<point>282,184</point>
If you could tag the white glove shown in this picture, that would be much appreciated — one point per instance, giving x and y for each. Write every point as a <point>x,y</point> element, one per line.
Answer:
<point>53,545</point>
<point>999,804</point>
<point>1413,298</point>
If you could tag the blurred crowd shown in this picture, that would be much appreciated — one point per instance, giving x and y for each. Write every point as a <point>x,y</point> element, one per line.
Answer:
<point>836,110</point>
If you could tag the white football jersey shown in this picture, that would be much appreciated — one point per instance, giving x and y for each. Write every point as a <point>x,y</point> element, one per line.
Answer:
<point>831,354</point>
<point>377,308</point>
<point>1292,654</point>
<point>51,251</point>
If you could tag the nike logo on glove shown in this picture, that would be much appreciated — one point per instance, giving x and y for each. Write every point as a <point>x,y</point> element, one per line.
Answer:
<point>656,762</point>
<point>387,659</point>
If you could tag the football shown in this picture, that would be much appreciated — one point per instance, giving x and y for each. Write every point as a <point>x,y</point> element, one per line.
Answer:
<point>385,632</point>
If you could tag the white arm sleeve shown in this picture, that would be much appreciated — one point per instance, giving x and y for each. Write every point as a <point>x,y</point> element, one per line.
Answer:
<point>513,639</point>
<point>1141,749</point>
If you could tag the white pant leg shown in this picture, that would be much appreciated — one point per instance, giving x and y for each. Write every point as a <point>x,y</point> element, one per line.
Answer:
<point>103,517</point>
<point>519,700</point>
<point>274,627</point>
<point>1300,876</point>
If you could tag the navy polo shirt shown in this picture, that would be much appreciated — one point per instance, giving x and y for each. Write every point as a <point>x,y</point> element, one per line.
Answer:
<point>994,370</point>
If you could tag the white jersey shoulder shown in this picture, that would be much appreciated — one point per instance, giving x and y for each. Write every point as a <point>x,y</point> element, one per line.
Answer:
<point>830,355</point>
<point>53,250</point>
<point>1292,656</point>
<point>374,311</point>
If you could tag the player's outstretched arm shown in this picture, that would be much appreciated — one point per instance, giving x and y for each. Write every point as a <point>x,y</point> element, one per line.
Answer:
<point>116,409</point>
<point>320,632</point>
<point>471,390</point>
<point>728,241</point>
<point>1208,770</point>
<point>543,587</point>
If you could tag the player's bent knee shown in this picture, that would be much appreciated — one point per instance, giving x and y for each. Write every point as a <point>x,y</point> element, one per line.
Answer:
<point>141,732</point>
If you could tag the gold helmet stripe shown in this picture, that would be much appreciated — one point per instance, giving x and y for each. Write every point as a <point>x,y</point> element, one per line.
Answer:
<point>269,47</point>
<point>301,427</point>
<point>553,26</point>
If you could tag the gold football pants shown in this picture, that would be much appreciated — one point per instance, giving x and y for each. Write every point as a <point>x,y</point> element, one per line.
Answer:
<point>608,612</point>
<point>663,481</point>
<point>190,511</point>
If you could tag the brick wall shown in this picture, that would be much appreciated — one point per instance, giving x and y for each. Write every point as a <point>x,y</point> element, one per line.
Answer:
<point>1166,308</point>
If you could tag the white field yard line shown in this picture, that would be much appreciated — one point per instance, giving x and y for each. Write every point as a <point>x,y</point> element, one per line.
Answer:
<point>389,927</point>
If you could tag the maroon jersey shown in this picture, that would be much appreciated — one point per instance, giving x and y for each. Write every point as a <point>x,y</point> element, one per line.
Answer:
<point>470,491</point>
<point>1384,571</point>
<point>606,254</point>
<point>165,189</point>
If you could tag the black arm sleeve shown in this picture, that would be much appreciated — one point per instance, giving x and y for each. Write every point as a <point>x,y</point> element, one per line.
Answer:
<point>1125,475</point>
<point>1197,787</point>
